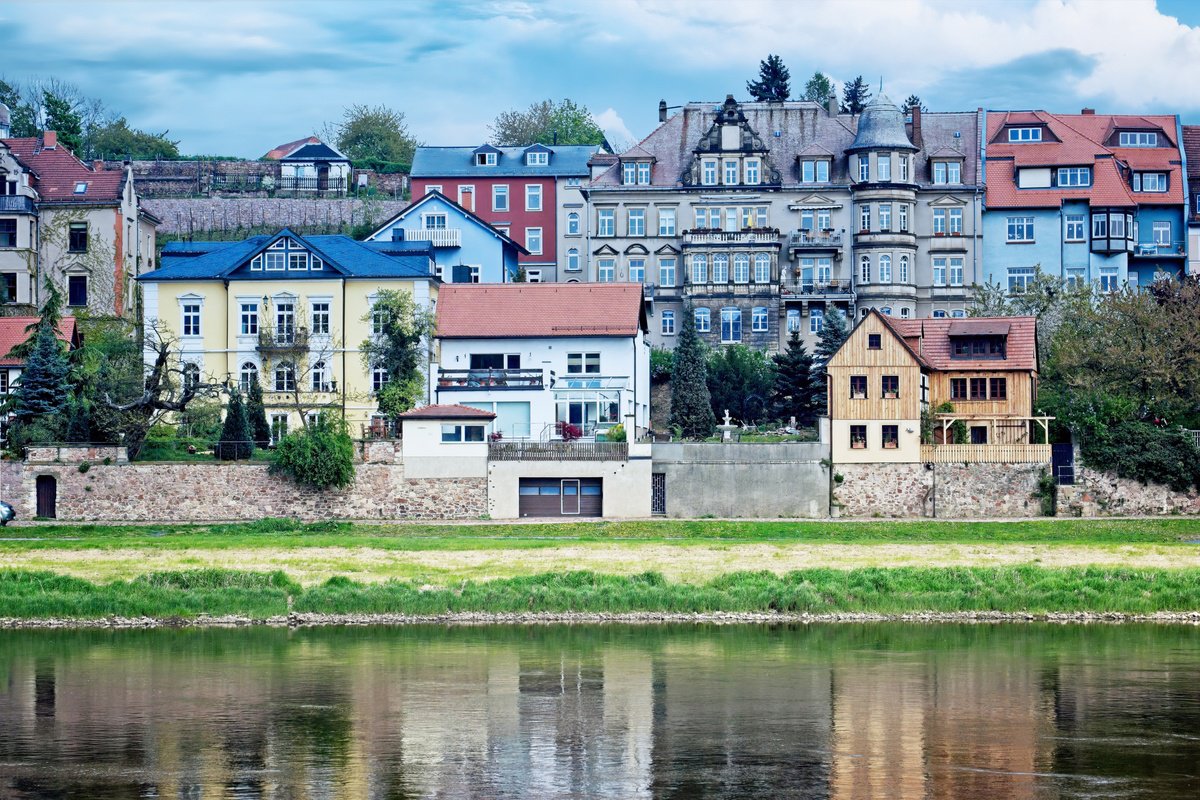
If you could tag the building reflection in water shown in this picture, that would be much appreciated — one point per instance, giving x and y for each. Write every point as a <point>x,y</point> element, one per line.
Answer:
<point>608,712</point>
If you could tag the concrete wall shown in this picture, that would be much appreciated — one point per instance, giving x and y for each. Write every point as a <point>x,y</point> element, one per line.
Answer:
<point>947,491</point>
<point>744,480</point>
<point>626,484</point>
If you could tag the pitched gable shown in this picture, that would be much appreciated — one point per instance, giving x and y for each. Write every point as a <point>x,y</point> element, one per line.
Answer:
<point>893,349</point>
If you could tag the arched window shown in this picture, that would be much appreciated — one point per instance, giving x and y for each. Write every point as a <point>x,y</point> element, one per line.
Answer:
<point>731,325</point>
<point>885,268</point>
<point>720,272</point>
<point>699,268</point>
<point>285,377</point>
<point>864,269</point>
<point>703,320</point>
<point>320,377</point>
<point>886,311</point>
<point>573,224</point>
<point>903,269</point>
<point>248,376</point>
<point>762,268</point>
<point>864,311</point>
<point>191,376</point>
<point>573,260</point>
<point>816,320</point>
<point>904,313</point>
<point>741,268</point>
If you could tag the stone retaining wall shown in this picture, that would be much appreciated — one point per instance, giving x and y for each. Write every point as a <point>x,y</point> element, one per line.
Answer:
<point>190,492</point>
<point>1101,494</point>
<point>962,490</point>
<point>195,216</point>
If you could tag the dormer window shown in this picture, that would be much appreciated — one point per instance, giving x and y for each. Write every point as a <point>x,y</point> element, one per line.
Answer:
<point>1019,135</point>
<point>753,172</point>
<point>1138,139</point>
<point>708,175</point>
<point>1069,177</point>
<point>485,159</point>
<point>635,173</point>
<point>814,171</point>
<point>947,172</point>
<point>1149,181</point>
<point>643,173</point>
<point>978,347</point>
<point>537,158</point>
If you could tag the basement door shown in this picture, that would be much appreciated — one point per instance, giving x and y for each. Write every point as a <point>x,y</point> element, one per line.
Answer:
<point>47,497</point>
<point>561,497</point>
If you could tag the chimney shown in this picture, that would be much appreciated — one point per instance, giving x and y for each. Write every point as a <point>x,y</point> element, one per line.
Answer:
<point>832,105</point>
<point>98,165</point>
<point>1089,112</point>
<point>916,125</point>
<point>49,140</point>
<point>662,110</point>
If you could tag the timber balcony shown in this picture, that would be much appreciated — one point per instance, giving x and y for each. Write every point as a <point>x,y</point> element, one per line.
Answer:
<point>744,237</point>
<point>1005,440</point>
<point>985,453</point>
<point>438,237</point>
<point>283,339</point>
<point>466,380</point>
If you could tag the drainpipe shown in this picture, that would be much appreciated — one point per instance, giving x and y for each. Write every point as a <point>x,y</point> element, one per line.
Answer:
<point>344,351</point>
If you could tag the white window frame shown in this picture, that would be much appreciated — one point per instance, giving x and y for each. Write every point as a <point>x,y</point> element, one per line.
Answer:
<point>191,312</point>
<point>573,262</point>
<point>1075,229</point>
<point>573,223</point>
<point>538,158</point>
<point>532,234</point>
<point>533,197</point>
<point>699,268</point>
<point>1019,279</point>
<point>643,173</point>
<point>637,269</point>
<point>628,173</point>
<point>864,168</point>
<point>762,268</point>
<point>314,315</point>
<point>668,323</point>
<point>883,167</point>
<point>708,172</point>
<point>938,266</point>
<point>1138,139</point>
<point>1019,229</point>
<point>1074,177</point>
<point>752,172</point>
<point>1158,228</point>
<point>955,220</point>
<point>606,222</point>
<point>1021,135</point>
<point>902,269</point>
<point>666,222</point>
<point>248,317</point>
<point>637,215</point>
<point>731,325</point>
<point>668,267</point>
<point>606,269</point>
<point>885,268</point>
<point>730,168</point>
<point>793,320</point>
<point>759,320</point>
<point>954,267</point>
<point>703,319</point>
<point>500,197</point>
<point>741,268</point>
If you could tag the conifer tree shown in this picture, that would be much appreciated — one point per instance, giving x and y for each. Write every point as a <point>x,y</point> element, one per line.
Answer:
<point>79,428</point>
<point>855,96</point>
<point>772,85</point>
<point>690,403</point>
<point>256,415</point>
<point>235,444</point>
<point>911,102</point>
<point>42,390</point>
<point>835,329</point>
<point>795,393</point>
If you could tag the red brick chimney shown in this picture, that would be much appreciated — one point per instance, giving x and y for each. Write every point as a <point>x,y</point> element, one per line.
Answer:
<point>1089,112</point>
<point>98,165</point>
<point>49,140</point>
<point>916,125</point>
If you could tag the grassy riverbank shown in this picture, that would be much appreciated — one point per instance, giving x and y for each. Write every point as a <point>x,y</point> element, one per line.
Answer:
<point>1030,589</point>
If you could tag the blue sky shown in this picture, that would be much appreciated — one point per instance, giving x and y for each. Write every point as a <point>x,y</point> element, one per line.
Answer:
<point>238,77</point>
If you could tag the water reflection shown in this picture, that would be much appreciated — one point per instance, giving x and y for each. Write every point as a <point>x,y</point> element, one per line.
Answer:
<point>623,712</point>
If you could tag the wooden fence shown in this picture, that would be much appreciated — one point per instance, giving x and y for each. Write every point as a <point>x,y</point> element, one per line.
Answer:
<point>985,453</point>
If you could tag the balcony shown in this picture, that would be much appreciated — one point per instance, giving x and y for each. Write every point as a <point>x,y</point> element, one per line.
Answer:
<point>16,203</point>
<point>700,236</point>
<point>838,288</point>
<point>558,451</point>
<point>985,453</point>
<point>948,241</point>
<point>471,380</point>
<point>1160,250</point>
<point>284,338</point>
<point>814,241</point>
<point>438,237</point>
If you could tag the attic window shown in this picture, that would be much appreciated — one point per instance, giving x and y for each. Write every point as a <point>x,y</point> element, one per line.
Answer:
<point>81,187</point>
<point>1024,134</point>
<point>537,159</point>
<point>1139,139</point>
<point>486,159</point>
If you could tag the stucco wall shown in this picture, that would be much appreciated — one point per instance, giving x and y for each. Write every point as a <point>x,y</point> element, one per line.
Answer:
<point>744,480</point>
<point>1100,494</point>
<point>626,484</point>
<point>962,490</point>
<point>196,492</point>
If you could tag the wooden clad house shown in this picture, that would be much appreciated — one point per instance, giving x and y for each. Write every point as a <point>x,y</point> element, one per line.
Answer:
<point>890,371</point>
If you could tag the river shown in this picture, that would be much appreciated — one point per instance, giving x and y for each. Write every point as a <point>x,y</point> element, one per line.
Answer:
<point>695,711</point>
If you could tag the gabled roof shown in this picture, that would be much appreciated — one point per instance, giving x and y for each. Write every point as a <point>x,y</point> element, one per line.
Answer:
<point>448,411</point>
<point>468,215</point>
<point>58,172</point>
<point>308,148</point>
<point>889,327</point>
<point>525,310</point>
<point>636,152</point>
<point>931,337</point>
<point>343,256</point>
<point>451,162</point>
<point>538,147</point>
<point>15,331</point>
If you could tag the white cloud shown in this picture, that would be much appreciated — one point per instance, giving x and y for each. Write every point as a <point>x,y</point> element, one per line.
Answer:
<point>618,133</point>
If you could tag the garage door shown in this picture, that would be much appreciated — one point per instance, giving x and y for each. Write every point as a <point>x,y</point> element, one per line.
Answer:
<point>561,497</point>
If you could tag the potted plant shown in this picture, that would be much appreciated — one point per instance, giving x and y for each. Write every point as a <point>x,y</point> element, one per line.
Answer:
<point>858,443</point>
<point>890,395</point>
<point>890,444</point>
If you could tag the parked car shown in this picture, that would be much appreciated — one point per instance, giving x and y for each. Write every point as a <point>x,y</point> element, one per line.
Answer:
<point>7,513</point>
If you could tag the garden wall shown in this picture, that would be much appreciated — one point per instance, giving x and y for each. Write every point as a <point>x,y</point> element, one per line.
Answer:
<point>186,216</point>
<point>962,490</point>
<point>1101,494</point>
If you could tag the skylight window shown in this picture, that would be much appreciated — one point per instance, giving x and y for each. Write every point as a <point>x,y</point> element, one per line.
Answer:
<point>81,187</point>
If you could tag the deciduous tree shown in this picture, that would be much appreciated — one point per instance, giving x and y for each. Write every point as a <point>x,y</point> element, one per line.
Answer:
<point>117,140</point>
<point>375,134</point>
<point>773,83</point>
<point>819,88</point>
<point>398,342</point>
<point>547,122</point>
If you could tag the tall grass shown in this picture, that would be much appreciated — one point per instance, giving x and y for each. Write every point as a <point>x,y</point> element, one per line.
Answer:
<point>878,590</point>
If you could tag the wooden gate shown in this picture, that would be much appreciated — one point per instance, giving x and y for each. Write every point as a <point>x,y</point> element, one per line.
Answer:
<point>47,497</point>
<point>658,494</point>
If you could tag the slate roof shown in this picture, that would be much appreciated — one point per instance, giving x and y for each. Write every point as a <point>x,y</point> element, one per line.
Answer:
<point>524,310</point>
<point>1080,142</point>
<point>930,338</point>
<point>307,149</point>
<point>181,261</point>
<point>881,125</point>
<point>447,411</point>
<point>456,162</point>
<point>14,331</point>
<point>804,128</point>
<point>57,171</point>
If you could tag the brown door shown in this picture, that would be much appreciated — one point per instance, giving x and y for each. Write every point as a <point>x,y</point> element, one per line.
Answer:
<point>560,497</point>
<point>47,496</point>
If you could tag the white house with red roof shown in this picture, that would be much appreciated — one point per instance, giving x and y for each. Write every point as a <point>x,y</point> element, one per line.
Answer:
<point>79,226</point>
<point>551,361</point>
<point>1085,197</point>
<point>311,165</point>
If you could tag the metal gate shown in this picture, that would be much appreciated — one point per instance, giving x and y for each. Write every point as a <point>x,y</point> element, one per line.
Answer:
<point>658,494</point>
<point>561,497</point>
<point>1062,462</point>
<point>47,497</point>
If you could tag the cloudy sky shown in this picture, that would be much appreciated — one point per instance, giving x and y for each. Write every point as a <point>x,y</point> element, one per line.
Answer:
<point>237,77</point>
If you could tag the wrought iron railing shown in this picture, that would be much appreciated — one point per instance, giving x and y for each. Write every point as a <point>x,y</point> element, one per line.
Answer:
<point>284,338</point>
<point>471,379</point>
<point>558,451</point>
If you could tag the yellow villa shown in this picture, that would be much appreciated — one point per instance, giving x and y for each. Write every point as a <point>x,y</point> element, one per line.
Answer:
<point>287,311</point>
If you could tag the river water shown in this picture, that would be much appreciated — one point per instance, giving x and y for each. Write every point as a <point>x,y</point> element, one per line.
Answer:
<point>819,711</point>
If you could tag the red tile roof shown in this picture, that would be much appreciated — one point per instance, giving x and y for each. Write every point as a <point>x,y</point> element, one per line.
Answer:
<point>931,338</point>
<point>1080,142</point>
<point>454,411</point>
<point>522,310</point>
<point>14,331</point>
<point>284,150</point>
<point>57,172</point>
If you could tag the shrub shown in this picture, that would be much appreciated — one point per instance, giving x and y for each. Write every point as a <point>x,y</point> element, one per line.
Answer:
<point>320,455</point>
<point>1047,494</point>
<point>617,433</point>
<point>1144,452</point>
<point>662,363</point>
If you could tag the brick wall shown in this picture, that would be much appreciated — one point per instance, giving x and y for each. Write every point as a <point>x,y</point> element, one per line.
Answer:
<point>191,492</point>
<point>963,490</point>
<point>1100,494</point>
<point>194,216</point>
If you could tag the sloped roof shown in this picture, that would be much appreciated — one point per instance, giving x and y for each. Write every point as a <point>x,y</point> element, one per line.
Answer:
<point>523,310</point>
<point>452,162</point>
<point>310,147</point>
<point>344,256</point>
<point>57,172</point>
<point>881,125</point>
<point>447,411</point>
<point>467,214</point>
<point>931,338</point>
<point>14,331</point>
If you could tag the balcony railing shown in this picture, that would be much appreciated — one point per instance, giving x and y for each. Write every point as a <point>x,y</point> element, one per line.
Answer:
<point>438,237</point>
<point>307,183</point>
<point>284,338</point>
<point>475,379</point>
<point>17,203</point>
<point>748,236</point>
<point>1160,249</point>
<point>985,453</point>
<point>558,451</point>
<point>815,240</point>
<point>814,287</point>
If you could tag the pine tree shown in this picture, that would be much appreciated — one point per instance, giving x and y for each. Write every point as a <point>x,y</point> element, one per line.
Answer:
<point>819,88</point>
<point>835,329</point>
<point>235,444</point>
<point>43,389</point>
<point>911,102</point>
<point>690,404</point>
<point>256,415</point>
<point>772,85</point>
<point>795,393</point>
<point>855,96</point>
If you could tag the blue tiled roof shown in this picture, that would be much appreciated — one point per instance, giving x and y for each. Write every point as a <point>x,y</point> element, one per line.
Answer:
<point>450,162</point>
<point>345,257</point>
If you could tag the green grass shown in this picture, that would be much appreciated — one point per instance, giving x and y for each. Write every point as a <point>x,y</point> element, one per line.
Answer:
<point>282,533</point>
<point>879,590</point>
